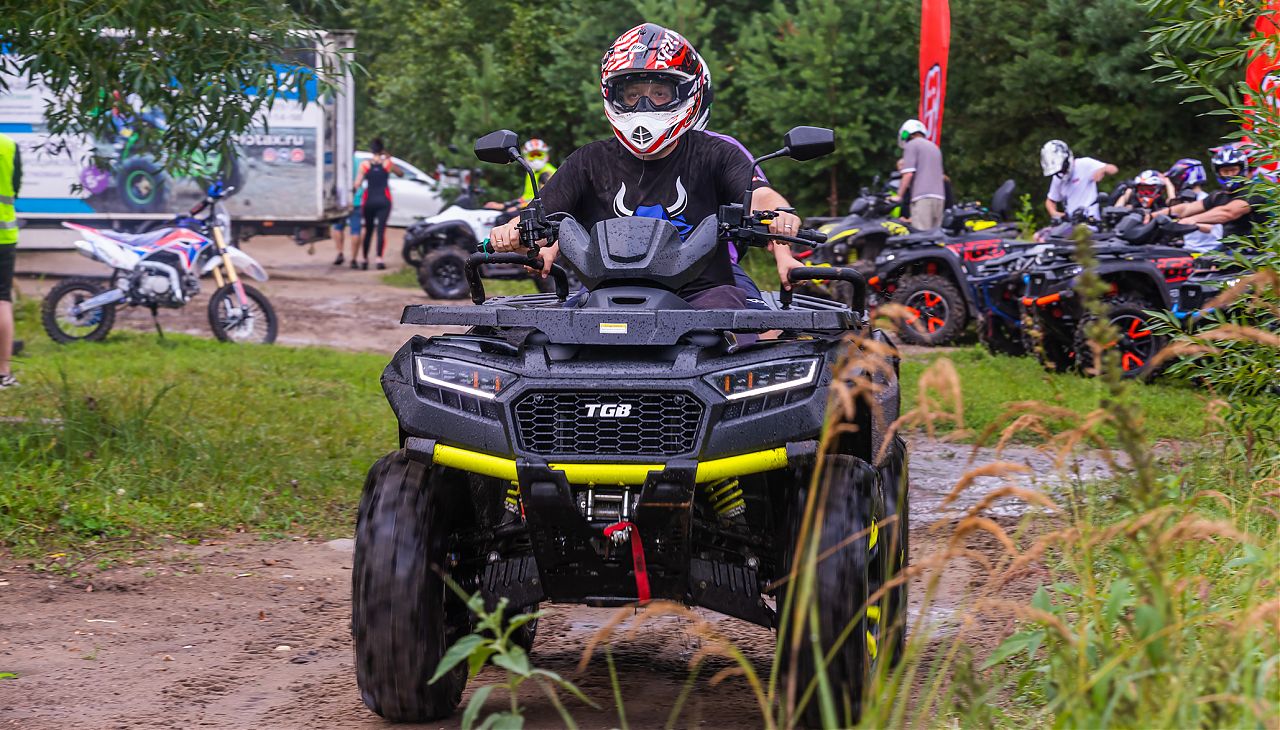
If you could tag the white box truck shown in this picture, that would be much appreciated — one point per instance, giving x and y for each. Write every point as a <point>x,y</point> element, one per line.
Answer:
<point>292,173</point>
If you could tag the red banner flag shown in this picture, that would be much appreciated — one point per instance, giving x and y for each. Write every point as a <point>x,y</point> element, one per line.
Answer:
<point>1263,73</point>
<point>935,44</point>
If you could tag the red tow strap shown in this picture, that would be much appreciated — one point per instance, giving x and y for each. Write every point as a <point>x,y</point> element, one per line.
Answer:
<point>637,558</point>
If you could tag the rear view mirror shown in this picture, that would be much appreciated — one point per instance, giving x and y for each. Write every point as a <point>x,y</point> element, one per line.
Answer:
<point>807,143</point>
<point>498,147</point>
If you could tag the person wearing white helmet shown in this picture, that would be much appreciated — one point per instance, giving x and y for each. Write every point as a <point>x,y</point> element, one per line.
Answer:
<point>658,164</point>
<point>538,153</point>
<point>922,176</point>
<point>1075,180</point>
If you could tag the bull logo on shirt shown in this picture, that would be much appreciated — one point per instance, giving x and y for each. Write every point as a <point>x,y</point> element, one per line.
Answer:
<point>673,213</point>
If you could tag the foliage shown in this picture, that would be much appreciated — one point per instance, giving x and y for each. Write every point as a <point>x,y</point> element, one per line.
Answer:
<point>1233,338</point>
<point>492,642</point>
<point>442,72</point>
<point>189,60</point>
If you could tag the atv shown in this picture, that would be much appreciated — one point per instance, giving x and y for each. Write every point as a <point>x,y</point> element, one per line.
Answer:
<point>1143,265</point>
<point>926,272</point>
<point>438,246</point>
<point>624,448</point>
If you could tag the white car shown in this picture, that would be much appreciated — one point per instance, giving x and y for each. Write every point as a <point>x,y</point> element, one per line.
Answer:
<point>414,195</point>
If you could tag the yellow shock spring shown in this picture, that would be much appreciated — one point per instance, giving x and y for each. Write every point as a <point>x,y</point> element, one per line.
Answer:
<point>726,497</point>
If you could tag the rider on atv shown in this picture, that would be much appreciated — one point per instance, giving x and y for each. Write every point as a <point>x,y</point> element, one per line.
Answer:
<point>1149,190</point>
<point>659,165</point>
<point>1075,180</point>
<point>1235,208</point>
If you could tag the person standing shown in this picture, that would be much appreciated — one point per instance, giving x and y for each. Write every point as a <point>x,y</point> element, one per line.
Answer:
<point>375,175</point>
<point>352,224</point>
<point>10,182</point>
<point>1075,181</point>
<point>922,176</point>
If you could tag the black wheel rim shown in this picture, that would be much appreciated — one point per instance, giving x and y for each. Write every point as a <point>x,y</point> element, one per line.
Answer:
<point>70,324</point>
<point>1137,344</point>
<point>448,273</point>
<point>927,311</point>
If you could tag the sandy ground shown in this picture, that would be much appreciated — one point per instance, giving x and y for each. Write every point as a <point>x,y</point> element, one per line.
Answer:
<point>241,633</point>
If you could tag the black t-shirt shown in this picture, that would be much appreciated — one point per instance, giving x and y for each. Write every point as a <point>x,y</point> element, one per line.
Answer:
<point>1243,225</point>
<point>603,180</point>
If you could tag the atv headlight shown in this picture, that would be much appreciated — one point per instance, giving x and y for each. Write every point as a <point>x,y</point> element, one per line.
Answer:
<point>765,377</point>
<point>463,377</point>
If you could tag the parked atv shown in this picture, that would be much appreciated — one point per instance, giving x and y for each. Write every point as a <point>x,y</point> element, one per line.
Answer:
<point>438,246</point>
<point>1144,265</point>
<point>624,449</point>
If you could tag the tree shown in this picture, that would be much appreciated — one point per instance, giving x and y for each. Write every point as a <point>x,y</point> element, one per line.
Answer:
<point>190,61</point>
<point>1026,71</point>
<point>828,63</point>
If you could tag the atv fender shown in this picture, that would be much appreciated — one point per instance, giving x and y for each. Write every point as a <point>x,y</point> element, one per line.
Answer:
<point>1141,278</point>
<point>455,232</point>
<point>910,260</point>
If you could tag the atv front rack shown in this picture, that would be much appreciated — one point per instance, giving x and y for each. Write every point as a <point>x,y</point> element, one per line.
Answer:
<point>543,312</point>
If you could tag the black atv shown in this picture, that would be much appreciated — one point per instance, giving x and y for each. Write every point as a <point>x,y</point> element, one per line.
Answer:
<point>627,448</point>
<point>1144,266</point>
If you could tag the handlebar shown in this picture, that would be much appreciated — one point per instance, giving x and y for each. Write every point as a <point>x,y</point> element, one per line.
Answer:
<point>476,281</point>
<point>809,273</point>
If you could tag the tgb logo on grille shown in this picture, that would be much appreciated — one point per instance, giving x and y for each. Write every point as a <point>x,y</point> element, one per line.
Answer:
<point>608,410</point>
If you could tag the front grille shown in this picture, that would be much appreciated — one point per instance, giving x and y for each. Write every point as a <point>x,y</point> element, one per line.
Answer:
<point>603,423</point>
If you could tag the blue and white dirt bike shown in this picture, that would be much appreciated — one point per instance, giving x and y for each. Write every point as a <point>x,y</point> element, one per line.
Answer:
<point>162,268</point>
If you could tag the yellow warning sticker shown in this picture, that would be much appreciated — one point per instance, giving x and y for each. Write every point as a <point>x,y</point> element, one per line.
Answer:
<point>613,328</point>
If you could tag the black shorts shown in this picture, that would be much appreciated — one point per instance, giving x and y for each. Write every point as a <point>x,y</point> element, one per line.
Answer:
<point>8,253</point>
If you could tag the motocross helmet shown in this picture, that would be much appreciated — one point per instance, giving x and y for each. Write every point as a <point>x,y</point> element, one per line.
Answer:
<point>908,128</point>
<point>537,153</point>
<point>1231,155</point>
<point>1148,186</point>
<point>1186,173</point>
<point>1056,158</point>
<point>653,83</point>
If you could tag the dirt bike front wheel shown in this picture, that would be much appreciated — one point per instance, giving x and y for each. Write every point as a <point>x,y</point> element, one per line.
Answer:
<point>254,322</point>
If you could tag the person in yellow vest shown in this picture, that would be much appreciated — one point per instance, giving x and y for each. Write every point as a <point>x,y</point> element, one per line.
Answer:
<point>538,154</point>
<point>10,181</point>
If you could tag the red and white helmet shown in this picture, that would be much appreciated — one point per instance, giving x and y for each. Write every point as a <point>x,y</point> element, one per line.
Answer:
<point>537,153</point>
<point>654,86</point>
<point>1148,186</point>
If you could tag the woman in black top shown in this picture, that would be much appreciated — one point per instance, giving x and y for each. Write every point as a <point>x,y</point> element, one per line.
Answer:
<point>375,173</point>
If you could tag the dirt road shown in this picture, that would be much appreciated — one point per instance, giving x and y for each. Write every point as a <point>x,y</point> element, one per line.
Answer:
<point>318,303</point>
<point>240,633</point>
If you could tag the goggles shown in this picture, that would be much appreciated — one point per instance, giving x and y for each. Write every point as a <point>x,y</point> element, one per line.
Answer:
<point>647,92</point>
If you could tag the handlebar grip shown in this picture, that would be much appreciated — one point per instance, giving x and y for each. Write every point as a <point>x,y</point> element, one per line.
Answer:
<point>476,281</point>
<point>195,210</point>
<point>839,273</point>
<point>812,234</point>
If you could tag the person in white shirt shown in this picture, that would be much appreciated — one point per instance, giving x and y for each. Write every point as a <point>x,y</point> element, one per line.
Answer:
<point>1075,181</point>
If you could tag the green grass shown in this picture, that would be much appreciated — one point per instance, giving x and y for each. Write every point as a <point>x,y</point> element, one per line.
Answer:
<point>1173,410</point>
<point>408,278</point>
<point>137,437</point>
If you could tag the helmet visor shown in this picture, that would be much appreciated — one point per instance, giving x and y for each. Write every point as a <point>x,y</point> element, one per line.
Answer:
<point>642,92</point>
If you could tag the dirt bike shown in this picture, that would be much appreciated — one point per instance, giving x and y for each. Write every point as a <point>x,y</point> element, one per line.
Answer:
<point>162,268</point>
<point>626,448</point>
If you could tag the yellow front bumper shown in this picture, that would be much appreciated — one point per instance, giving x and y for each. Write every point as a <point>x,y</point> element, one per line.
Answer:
<point>611,474</point>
